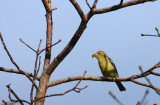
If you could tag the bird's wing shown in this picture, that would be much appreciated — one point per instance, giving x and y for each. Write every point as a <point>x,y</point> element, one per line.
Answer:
<point>110,60</point>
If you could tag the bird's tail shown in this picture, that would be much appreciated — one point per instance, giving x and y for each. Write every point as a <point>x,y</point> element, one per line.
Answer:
<point>120,86</point>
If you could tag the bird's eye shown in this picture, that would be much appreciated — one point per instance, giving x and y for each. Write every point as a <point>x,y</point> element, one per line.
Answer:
<point>99,53</point>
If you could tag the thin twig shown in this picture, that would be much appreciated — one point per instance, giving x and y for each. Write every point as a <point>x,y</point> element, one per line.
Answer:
<point>117,7</point>
<point>4,45</point>
<point>73,89</point>
<point>14,61</point>
<point>151,85</point>
<point>155,73</point>
<point>18,72</point>
<point>150,35</point>
<point>157,31</point>
<point>39,65</point>
<point>158,34</point>
<point>47,6</point>
<point>5,103</point>
<point>78,8</point>
<point>27,45</point>
<point>75,78</point>
<point>115,98</point>
<point>16,96</point>
<point>88,4</point>
<point>144,97</point>
<point>147,85</point>
<point>49,47</point>
<point>35,71</point>
<point>140,68</point>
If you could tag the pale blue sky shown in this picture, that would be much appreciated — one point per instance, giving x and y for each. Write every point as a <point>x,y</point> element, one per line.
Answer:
<point>118,33</point>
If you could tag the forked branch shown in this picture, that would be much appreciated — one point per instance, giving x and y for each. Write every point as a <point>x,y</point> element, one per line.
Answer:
<point>75,88</point>
<point>158,34</point>
<point>16,96</point>
<point>4,45</point>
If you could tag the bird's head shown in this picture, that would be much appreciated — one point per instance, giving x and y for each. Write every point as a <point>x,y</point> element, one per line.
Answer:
<point>99,55</point>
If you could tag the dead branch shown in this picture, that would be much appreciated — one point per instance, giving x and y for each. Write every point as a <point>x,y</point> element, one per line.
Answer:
<point>78,8</point>
<point>116,7</point>
<point>150,35</point>
<point>18,72</point>
<point>4,45</point>
<point>151,85</point>
<point>67,49</point>
<point>35,71</point>
<point>16,96</point>
<point>27,45</point>
<point>5,103</point>
<point>38,65</point>
<point>75,78</point>
<point>158,34</point>
<point>115,98</point>
<point>75,88</point>
<point>47,6</point>
<point>85,18</point>
<point>49,47</point>
<point>146,85</point>
<point>155,73</point>
<point>157,31</point>
<point>45,76</point>
<point>88,4</point>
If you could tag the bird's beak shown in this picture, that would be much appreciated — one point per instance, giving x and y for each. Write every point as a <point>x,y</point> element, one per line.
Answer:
<point>94,55</point>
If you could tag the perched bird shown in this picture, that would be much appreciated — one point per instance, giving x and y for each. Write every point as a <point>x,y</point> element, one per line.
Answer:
<point>108,68</point>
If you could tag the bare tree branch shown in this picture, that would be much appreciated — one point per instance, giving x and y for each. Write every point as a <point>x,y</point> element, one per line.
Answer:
<point>14,61</point>
<point>16,96</point>
<point>4,45</point>
<point>49,46</point>
<point>151,85</point>
<point>39,65</point>
<point>157,31</point>
<point>115,98</point>
<point>5,103</point>
<point>158,34</point>
<point>155,73</point>
<point>75,88</point>
<point>150,35</point>
<point>47,6</point>
<point>75,78</point>
<point>88,4</point>
<point>116,7</point>
<point>27,45</point>
<point>67,49</point>
<point>147,85</point>
<point>18,72</point>
<point>78,8</point>
<point>140,67</point>
<point>35,72</point>
<point>45,76</point>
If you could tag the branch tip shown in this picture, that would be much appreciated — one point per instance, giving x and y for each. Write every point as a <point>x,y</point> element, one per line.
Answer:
<point>54,8</point>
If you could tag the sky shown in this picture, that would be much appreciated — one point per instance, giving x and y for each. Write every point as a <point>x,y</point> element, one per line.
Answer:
<point>118,33</point>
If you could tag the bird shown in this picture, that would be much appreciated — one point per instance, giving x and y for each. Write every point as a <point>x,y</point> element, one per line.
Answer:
<point>108,68</point>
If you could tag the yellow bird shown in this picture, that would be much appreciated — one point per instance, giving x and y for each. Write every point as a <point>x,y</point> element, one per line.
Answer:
<point>108,68</point>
